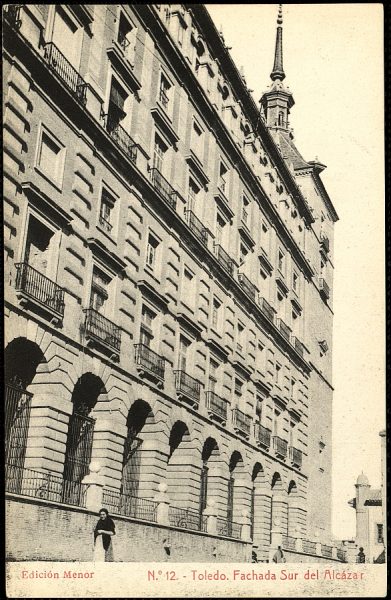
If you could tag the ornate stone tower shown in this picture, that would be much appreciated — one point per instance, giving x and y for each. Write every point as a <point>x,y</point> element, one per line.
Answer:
<point>277,101</point>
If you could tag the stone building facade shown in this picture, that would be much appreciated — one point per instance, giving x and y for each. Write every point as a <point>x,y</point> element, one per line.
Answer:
<point>168,269</point>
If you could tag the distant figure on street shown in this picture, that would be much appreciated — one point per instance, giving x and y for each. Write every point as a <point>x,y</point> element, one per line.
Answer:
<point>279,556</point>
<point>254,557</point>
<point>103,532</point>
<point>361,556</point>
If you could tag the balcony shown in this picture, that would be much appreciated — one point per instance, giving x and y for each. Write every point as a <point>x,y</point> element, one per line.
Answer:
<point>34,287</point>
<point>284,329</point>
<point>217,407</point>
<point>224,259</point>
<point>196,226</point>
<point>241,423</point>
<point>325,242</point>
<point>247,286</point>
<point>263,436</point>
<point>130,506</point>
<point>227,528</point>
<point>280,447</point>
<point>264,259</point>
<point>324,288</point>
<point>121,137</point>
<point>267,309</point>
<point>188,388</point>
<point>295,456</point>
<point>105,224</point>
<point>298,345</point>
<point>12,15</point>
<point>57,63</point>
<point>102,331</point>
<point>163,187</point>
<point>149,362</point>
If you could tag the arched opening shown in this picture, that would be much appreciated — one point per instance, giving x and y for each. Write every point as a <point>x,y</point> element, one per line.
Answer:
<point>235,467</point>
<point>78,451</point>
<point>292,488</point>
<point>139,413</point>
<point>281,119</point>
<point>21,362</point>
<point>276,482</point>
<point>210,452</point>
<point>256,476</point>
<point>181,455</point>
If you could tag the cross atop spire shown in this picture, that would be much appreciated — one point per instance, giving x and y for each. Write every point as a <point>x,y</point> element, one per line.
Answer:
<point>278,69</point>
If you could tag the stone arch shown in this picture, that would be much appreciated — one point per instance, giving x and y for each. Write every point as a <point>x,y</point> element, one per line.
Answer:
<point>22,360</point>
<point>257,480</point>
<point>276,482</point>
<point>279,511</point>
<point>87,392</point>
<point>237,475</point>
<point>135,466</point>
<point>292,488</point>
<point>180,472</point>
<point>210,457</point>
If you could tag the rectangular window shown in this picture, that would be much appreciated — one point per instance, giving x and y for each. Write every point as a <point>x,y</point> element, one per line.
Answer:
<point>197,140</point>
<point>159,151</point>
<point>238,389</point>
<point>51,157</point>
<point>222,183</point>
<point>116,112</point>
<point>40,246</point>
<point>188,288</point>
<point>106,211</point>
<point>216,309</point>
<point>281,261</point>
<point>99,289</point>
<point>67,37</point>
<point>124,30</point>
<point>193,194</point>
<point>245,210</point>
<point>220,225</point>
<point>164,91</point>
<point>278,374</point>
<point>240,339</point>
<point>258,409</point>
<point>146,329</point>
<point>152,246</point>
<point>184,344</point>
<point>295,282</point>
<point>243,252</point>
<point>213,366</point>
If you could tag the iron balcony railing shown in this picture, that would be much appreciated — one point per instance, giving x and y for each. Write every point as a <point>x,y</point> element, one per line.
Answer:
<point>39,288</point>
<point>187,518</point>
<point>187,385</point>
<point>309,547</point>
<point>267,309</point>
<point>224,259</point>
<point>121,137</point>
<point>284,329</point>
<point>263,435</point>
<point>296,456</point>
<point>298,345</point>
<point>288,542</point>
<point>12,15</point>
<point>44,486</point>
<point>149,360</point>
<point>102,329</point>
<point>241,421</point>
<point>325,242</point>
<point>57,62</point>
<point>326,551</point>
<point>105,224</point>
<point>196,226</point>
<point>280,446</point>
<point>246,284</point>
<point>130,506</point>
<point>324,288</point>
<point>123,40</point>
<point>227,528</point>
<point>216,405</point>
<point>163,187</point>
<point>163,98</point>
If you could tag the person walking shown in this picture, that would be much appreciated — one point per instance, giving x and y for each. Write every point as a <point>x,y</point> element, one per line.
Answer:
<point>103,533</point>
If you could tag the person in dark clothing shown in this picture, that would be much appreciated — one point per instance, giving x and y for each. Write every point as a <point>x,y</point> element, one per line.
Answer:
<point>103,532</point>
<point>279,556</point>
<point>361,556</point>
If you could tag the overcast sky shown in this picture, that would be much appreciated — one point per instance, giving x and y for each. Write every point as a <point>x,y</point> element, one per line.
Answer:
<point>333,61</point>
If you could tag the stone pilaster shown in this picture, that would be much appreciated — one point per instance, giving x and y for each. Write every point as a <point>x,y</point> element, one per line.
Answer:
<point>262,521</point>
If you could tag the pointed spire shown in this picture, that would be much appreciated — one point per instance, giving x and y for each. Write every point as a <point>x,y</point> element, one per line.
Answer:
<point>278,69</point>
